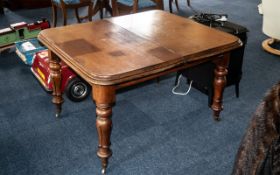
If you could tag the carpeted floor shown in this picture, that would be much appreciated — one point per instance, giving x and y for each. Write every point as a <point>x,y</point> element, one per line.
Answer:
<point>154,133</point>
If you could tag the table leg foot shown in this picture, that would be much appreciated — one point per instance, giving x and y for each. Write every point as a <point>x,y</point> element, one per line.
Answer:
<point>216,116</point>
<point>58,102</point>
<point>57,114</point>
<point>104,127</point>
<point>104,165</point>
<point>103,171</point>
<point>55,72</point>
<point>219,84</point>
<point>104,97</point>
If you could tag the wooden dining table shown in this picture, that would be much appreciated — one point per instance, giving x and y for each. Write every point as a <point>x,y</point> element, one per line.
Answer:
<point>123,51</point>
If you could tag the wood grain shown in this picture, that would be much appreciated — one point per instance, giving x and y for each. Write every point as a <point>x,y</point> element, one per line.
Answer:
<point>121,49</point>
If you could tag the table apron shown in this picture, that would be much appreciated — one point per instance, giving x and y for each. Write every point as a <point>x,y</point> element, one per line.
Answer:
<point>171,70</point>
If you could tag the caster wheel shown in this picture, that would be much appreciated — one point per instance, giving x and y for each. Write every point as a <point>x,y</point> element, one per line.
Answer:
<point>103,171</point>
<point>57,115</point>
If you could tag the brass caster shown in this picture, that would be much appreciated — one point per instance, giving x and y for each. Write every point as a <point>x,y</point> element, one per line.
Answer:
<point>216,116</point>
<point>57,115</point>
<point>217,119</point>
<point>103,171</point>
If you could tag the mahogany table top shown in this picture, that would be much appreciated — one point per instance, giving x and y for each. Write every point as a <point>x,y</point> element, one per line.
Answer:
<point>120,49</point>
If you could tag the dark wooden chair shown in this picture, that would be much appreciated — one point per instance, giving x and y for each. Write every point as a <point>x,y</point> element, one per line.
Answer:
<point>122,7</point>
<point>177,5</point>
<point>71,4</point>
<point>100,5</point>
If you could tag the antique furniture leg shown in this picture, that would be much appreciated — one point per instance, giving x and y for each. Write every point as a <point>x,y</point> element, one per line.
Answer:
<point>90,11</point>
<point>101,11</point>
<point>99,5</point>
<point>55,72</point>
<point>219,84</point>
<point>98,8</point>
<point>77,15</point>
<point>177,5</point>
<point>237,89</point>
<point>170,5</point>
<point>89,16</point>
<point>54,13</point>
<point>108,6</point>
<point>64,14</point>
<point>104,97</point>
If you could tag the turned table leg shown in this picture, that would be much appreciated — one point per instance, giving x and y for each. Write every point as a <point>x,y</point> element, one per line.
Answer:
<point>104,97</point>
<point>219,85</point>
<point>55,71</point>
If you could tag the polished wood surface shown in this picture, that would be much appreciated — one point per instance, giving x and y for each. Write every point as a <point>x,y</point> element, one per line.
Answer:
<point>123,51</point>
<point>104,52</point>
<point>182,36</point>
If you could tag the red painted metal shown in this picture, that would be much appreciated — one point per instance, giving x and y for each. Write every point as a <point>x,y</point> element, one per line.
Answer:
<point>40,69</point>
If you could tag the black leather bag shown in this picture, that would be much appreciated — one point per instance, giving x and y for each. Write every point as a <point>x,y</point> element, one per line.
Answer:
<point>203,75</point>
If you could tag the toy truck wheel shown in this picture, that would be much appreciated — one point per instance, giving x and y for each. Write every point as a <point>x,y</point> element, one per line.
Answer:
<point>77,90</point>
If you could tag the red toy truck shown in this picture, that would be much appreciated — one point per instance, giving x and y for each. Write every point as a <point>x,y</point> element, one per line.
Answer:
<point>73,86</point>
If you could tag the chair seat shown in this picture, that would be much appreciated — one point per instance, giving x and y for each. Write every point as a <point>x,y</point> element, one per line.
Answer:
<point>141,3</point>
<point>67,1</point>
<point>64,5</point>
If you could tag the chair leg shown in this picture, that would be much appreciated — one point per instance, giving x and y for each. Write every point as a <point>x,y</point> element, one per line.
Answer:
<point>115,10</point>
<point>77,15</point>
<point>101,13</point>
<point>90,12</point>
<point>54,15</point>
<point>170,6</point>
<point>108,7</point>
<point>189,3</point>
<point>177,5</point>
<point>64,14</point>
<point>237,90</point>
<point>101,6</point>
<point>96,7</point>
